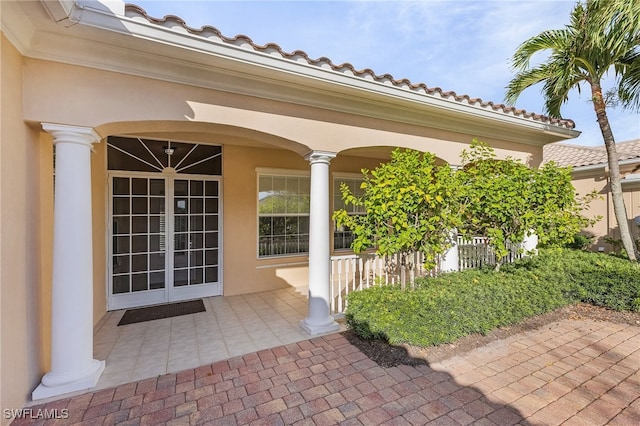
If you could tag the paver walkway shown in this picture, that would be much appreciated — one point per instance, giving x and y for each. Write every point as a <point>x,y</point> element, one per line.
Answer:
<point>572,372</point>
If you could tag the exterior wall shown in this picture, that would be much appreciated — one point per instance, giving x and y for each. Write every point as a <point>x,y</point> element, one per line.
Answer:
<point>21,296</point>
<point>607,227</point>
<point>243,271</point>
<point>130,99</point>
<point>99,210</point>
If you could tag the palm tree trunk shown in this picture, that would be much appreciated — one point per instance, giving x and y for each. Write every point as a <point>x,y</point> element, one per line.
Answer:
<point>619,208</point>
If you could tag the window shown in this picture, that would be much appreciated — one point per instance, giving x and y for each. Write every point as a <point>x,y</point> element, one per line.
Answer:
<point>342,236</point>
<point>283,214</point>
<point>147,155</point>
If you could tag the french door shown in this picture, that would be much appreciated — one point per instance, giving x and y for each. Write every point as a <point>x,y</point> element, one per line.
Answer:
<point>165,238</point>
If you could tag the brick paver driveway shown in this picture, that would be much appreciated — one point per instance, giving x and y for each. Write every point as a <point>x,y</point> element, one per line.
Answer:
<point>572,372</point>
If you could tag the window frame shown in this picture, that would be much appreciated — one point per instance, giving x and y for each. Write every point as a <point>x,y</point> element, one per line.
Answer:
<point>280,173</point>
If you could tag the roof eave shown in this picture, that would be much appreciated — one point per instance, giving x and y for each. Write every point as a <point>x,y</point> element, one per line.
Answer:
<point>177,41</point>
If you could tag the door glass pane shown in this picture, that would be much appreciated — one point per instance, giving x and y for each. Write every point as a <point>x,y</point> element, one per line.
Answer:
<point>139,205</point>
<point>139,282</point>
<point>156,224</point>
<point>181,242</point>
<point>139,224</point>
<point>211,205</point>
<point>211,188</point>
<point>211,257</point>
<point>211,275</point>
<point>156,187</point>
<point>139,186</point>
<point>196,223</point>
<point>121,225</point>
<point>156,261</point>
<point>196,241</point>
<point>155,243</point>
<point>196,205</point>
<point>197,257</point>
<point>181,259</point>
<point>211,222</point>
<point>181,206</point>
<point>120,264</point>
<point>120,284</point>
<point>196,188</point>
<point>196,276</point>
<point>156,205</point>
<point>211,239</point>
<point>180,277</point>
<point>139,262</point>
<point>181,224</point>
<point>139,243</point>
<point>156,280</point>
<point>120,186</point>
<point>181,188</point>
<point>120,205</point>
<point>120,245</point>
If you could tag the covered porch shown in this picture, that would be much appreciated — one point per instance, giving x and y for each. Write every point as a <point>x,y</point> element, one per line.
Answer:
<point>230,327</point>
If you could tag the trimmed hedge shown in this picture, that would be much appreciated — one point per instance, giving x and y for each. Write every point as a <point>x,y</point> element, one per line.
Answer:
<point>443,309</point>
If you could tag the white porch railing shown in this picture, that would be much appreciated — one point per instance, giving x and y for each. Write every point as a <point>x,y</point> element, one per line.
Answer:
<point>353,272</point>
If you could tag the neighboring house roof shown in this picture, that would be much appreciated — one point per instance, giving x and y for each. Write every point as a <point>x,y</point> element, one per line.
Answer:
<point>213,34</point>
<point>565,154</point>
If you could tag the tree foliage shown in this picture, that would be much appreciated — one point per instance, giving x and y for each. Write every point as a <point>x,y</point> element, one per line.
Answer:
<point>411,205</point>
<point>505,201</point>
<point>603,36</point>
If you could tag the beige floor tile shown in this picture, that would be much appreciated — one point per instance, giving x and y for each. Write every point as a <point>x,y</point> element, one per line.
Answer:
<point>231,326</point>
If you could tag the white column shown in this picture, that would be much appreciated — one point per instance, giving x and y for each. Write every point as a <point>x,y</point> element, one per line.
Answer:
<point>319,319</point>
<point>449,260</point>
<point>72,365</point>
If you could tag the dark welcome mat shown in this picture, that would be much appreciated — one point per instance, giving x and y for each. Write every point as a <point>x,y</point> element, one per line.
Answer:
<point>150,313</point>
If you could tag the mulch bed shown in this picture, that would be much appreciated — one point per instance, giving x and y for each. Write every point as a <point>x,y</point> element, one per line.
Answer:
<point>388,356</point>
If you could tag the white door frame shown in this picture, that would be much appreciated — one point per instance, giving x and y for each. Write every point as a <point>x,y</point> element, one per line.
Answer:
<point>169,293</point>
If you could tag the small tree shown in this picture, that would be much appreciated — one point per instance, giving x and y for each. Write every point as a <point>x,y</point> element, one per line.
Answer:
<point>602,38</point>
<point>504,200</point>
<point>411,205</point>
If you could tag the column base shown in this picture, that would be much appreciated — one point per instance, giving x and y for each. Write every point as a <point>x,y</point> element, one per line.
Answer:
<point>85,382</point>
<point>315,327</point>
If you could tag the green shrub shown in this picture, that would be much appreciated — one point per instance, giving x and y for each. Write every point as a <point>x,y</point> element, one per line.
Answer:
<point>445,308</point>
<point>580,242</point>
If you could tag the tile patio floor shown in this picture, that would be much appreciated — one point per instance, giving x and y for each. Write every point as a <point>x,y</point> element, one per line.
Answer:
<point>572,372</point>
<point>231,326</point>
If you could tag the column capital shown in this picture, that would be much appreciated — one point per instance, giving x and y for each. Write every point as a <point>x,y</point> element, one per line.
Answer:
<point>63,133</point>
<point>320,157</point>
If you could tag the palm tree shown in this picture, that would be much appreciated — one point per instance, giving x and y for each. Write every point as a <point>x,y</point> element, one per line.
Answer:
<point>602,36</point>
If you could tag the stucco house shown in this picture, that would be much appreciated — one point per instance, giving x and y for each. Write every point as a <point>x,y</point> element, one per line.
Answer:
<point>188,164</point>
<point>590,172</point>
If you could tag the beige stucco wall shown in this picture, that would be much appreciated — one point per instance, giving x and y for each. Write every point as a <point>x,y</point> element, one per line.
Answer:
<point>99,222</point>
<point>607,227</point>
<point>243,271</point>
<point>20,241</point>
<point>125,98</point>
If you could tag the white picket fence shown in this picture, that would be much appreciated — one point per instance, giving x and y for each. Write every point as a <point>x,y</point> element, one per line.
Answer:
<point>353,272</point>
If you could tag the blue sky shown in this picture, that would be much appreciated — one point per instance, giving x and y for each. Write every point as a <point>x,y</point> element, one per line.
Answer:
<point>458,45</point>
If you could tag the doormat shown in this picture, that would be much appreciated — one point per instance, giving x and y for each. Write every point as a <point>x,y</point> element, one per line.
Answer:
<point>151,313</point>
